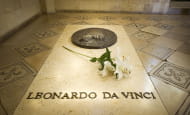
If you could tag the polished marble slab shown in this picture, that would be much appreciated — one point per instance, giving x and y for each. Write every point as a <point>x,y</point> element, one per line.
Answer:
<point>64,71</point>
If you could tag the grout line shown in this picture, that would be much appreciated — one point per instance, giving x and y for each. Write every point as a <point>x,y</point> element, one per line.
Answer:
<point>1,105</point>
<point>159,95</point>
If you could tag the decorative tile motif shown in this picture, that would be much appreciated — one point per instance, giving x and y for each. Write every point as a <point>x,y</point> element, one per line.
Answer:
<point>137,25</point>
<point>154,18</point>
<point>164,26</point>
<point>31,49</point>
<point>45,34</point>
<point>144,36</point>
<point>131,18</point>
<point>172,74</point>
<point>14,72</point>
<point>185,107</point>
<point>56,24</point>
<point>82,18</point>
<point>107,18</point>
<point>154,30</point>
<point>81,23</point>
<point>109,23</point>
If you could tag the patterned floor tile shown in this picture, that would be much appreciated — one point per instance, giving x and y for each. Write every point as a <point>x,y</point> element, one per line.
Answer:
<point>130,31</point>
<point>139,44</point>
<point>45,34</point>
<point>56,24</point>
<point>185,107</point>
<point>109,23</point>
<point>81,23</point>
<point>154,30</point>
<point>82,17</point>
<point>155,18</point>
<point>12,72</point>
<point>185,48</point>
<point>107,18</point>
<point>144,36</point>
<point>164,26</point>
<point>158,51</point>
<point>172,74</point>
<point>31,49</point>
<point>136,25</point>
<point>131,18</point>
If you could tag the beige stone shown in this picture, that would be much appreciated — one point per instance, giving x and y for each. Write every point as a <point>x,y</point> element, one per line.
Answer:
<point>154,30</point>
<point>148,61</point>
<point>67,72</point>
<point>158,51</point>
<point>36,61</point>
<point>166,42</point>
<point>180,59</point>
<point>172,97</point>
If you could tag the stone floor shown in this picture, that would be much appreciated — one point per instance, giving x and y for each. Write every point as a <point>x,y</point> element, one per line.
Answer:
<point>161,41</point>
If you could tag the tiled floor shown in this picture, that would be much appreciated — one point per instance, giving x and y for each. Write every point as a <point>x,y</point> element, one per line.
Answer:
<point>162,42</point>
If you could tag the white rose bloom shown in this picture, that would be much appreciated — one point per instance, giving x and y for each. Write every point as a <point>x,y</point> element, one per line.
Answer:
<point>123,69</point>
<point>107,68</point>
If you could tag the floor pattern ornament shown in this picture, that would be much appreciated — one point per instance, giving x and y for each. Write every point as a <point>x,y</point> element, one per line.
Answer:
<point>13,72</point>
<point>164,26</point>
<point>31,49</point>
<point>45,34</point>
<point>94,38</point>
<point>144,36</point>
<point>172,74</point>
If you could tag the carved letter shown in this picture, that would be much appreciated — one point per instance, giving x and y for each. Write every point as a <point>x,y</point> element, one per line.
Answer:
<point>128,93</point>
<point>83,95</point>
<point>115,96</point>
<point>38,95</point>
<point>106,95</point>
<point>153,95</point>
<point>146,93</point>
<point>65,96</point>
<point>29,96</point>
<point>56,95</point>
<point>74,95</point>
<point>137,95</point>
<point>47,95</point>
<point>92,95</point>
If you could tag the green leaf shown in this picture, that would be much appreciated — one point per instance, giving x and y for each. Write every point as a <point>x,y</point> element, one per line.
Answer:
<point>94,59</point>
<point>104,57</point>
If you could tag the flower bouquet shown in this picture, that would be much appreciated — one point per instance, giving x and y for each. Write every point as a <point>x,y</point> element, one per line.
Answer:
<point>117,66</point>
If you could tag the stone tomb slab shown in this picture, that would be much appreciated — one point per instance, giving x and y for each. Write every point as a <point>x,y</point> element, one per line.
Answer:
<point>66,73</point>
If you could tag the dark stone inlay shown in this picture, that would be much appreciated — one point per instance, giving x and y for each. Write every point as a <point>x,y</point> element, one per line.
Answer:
<point>94,38</point>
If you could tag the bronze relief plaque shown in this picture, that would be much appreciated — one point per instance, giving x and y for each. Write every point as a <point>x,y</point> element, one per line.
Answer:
<point>94,38</point>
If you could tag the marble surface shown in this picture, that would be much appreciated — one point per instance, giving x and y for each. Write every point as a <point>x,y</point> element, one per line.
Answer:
<point>177,27</point>
<point>64,71</point>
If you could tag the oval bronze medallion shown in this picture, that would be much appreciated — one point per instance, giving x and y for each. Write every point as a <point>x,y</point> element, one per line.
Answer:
<point>94,38</point>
